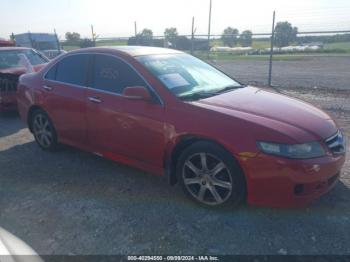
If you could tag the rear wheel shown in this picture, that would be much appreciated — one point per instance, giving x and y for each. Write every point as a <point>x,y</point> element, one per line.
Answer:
<point>43,130</point>
<point>210,175</point>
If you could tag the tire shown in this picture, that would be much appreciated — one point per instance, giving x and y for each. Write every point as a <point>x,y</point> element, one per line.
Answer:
<point>44,131</point>
<point>210,175</point>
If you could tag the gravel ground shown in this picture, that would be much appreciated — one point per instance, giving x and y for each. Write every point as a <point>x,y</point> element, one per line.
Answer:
<point>72,202</point>
<point>308,71</point>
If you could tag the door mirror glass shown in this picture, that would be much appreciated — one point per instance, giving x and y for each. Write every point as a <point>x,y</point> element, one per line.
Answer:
<point>137,93</point>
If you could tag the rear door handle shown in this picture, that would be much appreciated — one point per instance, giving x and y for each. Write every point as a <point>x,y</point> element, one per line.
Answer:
<point>96,100</point>
<point>47,88</point>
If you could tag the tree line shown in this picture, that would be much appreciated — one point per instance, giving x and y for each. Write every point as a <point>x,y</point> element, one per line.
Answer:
<point>285,34</point>
<point>74,39</point>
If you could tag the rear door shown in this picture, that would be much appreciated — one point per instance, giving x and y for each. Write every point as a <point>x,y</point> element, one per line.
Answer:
<point>65,87</point>
<point>120,127</point>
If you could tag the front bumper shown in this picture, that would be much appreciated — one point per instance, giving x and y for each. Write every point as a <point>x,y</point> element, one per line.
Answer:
<point>8,102</point>
<point>280,182</point>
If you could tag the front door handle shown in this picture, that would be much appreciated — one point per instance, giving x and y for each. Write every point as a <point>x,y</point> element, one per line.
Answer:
<point>47,88</point>
<point>96,100</point>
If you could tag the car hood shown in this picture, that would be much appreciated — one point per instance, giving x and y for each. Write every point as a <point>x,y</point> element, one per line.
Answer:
<point>20,70</point>
<point>265,104</point>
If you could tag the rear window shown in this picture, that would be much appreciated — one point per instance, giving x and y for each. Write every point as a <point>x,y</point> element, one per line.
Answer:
<point>71,70</point>
<point>11,58</point>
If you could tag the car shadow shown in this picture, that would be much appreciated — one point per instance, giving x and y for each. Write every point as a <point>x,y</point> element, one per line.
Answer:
<point>48,199</point>
<point>10,123</point>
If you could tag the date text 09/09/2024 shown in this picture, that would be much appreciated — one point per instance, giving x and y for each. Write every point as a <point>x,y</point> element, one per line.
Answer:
<point>173,258</point>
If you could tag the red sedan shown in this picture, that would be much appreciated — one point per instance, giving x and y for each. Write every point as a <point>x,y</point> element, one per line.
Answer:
<point>11,68</point>
<point>168,113</point>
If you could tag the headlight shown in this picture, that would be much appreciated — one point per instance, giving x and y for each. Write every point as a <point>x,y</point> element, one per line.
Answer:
<point>298,151</point>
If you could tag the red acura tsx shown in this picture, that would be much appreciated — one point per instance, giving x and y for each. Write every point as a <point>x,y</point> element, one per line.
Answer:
<point>171,114</point>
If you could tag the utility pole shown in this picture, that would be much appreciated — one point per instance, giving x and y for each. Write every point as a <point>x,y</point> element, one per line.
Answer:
<point>135,28</point>
<point>271,49</point>
<point>58,41</point>
<point>93,35</point>
<point>31,40</point>
<point>210,6</point>
<point>192,36</point>
<point>13,39</point>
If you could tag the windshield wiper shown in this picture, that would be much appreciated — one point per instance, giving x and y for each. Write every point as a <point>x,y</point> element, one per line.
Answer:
<point>227,89</point>
<point>202,95</point>
<point>197,96</point>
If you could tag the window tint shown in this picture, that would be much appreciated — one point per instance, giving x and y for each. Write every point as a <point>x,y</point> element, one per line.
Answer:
<point>51,74</point>
<point>113,75</point>
<point>73,70</point>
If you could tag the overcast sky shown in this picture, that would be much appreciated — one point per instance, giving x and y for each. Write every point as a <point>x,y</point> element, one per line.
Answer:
<point>116,17</point>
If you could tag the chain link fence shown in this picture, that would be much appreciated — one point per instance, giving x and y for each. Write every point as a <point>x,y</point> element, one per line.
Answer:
<point>317,59</point>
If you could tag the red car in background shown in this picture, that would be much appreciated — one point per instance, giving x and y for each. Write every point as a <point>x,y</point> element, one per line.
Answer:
<point>6,43</point>
<point>10,70</point>
<point>171,114</point>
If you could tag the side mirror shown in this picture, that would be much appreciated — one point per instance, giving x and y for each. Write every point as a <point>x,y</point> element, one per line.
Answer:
<point>137,93</point>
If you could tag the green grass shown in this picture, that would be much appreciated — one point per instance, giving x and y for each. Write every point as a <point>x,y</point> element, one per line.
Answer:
<point>257,43</point>
<point>98,43</point>
<point>111,42</point>
<point>69,47</point>
<point>232,57</point>
<point>260,44</point>
<point>276,57</point>
<point>216,42</point>
<point>338,46</point>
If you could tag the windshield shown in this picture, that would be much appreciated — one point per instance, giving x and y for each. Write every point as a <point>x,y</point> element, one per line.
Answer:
<point>185,75</point>
<point>11,58</point>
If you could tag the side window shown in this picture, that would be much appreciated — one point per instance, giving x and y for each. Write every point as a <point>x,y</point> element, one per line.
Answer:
<point>113,75</point>
<point>73,69</point>
<point>51,74</point>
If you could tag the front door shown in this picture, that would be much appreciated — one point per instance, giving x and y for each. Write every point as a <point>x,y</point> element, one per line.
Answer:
<point>117,126</point>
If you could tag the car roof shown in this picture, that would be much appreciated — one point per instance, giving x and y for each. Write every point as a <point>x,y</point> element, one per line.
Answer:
<point>14,48</point>
<point>131,50</point>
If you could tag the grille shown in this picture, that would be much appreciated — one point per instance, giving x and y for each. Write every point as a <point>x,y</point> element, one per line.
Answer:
<point>336,143</point>
<point>8,83</point>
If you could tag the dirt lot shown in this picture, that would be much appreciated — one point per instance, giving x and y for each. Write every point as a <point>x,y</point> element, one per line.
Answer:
<point>72,202</point>
<point>306,71</point>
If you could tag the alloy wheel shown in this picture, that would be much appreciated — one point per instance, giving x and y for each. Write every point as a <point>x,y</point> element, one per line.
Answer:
<point>207,178</point>
<point>42,130</point>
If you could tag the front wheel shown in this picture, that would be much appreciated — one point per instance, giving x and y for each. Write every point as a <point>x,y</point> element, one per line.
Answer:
<point>43,130</point>
<point>210,175</point>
